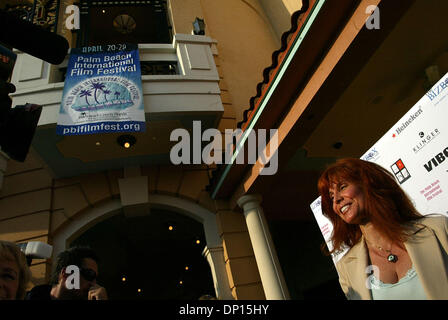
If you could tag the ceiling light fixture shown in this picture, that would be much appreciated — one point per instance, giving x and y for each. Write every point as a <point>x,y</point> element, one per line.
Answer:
<point>126,141</point>
<point>170,225</point>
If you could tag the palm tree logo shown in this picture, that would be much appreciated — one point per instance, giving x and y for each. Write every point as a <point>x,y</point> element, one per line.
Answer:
<point>101,94</point>
<point>86,93</point>
<point>97,86</point>
<point>105,92</point>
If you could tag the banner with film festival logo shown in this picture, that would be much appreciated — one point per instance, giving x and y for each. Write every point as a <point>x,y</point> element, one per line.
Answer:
<point>102,91</point>
<point>415,151</point>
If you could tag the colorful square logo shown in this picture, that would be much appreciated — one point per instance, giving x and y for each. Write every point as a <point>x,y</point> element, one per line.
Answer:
<point>400,171</point>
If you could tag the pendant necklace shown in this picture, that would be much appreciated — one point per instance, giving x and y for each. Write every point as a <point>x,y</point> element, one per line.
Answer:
<point>390,256</point>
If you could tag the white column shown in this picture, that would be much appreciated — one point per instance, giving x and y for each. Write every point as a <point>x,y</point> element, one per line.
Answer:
<point>268,265</point>
<point>215,258</point>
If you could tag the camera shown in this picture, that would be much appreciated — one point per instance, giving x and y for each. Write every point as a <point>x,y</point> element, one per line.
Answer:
<point>36,250</point>
<point>18,124</point>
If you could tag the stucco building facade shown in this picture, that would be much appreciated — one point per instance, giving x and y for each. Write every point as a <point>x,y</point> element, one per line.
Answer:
<point>330,76</point>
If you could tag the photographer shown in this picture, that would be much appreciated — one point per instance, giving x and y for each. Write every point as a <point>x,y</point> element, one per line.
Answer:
<point>86,260</point>
<point>18,124</point>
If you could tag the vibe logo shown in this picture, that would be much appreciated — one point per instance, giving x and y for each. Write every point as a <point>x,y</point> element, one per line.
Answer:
<point>436,160</point>
<point>373,22</point>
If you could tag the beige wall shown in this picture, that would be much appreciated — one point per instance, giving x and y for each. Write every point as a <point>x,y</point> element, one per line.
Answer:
<point>245,39</point>
<point>245,45</point>
<point>183,13</point>
<point>279,13</point>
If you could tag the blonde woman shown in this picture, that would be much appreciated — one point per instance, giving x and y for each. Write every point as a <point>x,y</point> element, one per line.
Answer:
<point>14,272</point>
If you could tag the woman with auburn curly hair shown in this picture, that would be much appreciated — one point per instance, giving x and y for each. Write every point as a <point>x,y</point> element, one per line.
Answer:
<point>377,221</point>
<point>14,272</point>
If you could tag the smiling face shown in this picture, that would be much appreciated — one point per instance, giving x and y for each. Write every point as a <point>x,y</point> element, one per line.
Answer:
<point>348,201</point>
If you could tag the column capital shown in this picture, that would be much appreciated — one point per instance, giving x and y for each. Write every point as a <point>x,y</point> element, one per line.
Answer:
<point>208,250</point>
<point>249,201</point>
<point>215,258</point>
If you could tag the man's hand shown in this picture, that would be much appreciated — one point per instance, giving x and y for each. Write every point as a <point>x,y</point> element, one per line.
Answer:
<point>97,292</point>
